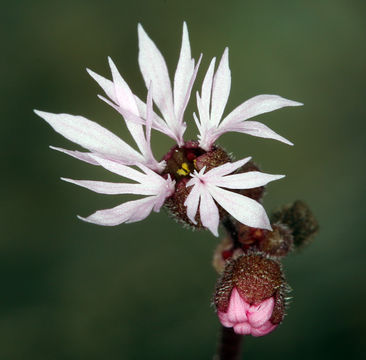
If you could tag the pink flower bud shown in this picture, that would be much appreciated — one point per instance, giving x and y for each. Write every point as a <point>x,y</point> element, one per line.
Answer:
<point>250,294</point>
<point>248,319</point>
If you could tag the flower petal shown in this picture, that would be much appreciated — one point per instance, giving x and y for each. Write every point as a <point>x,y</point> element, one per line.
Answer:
<point>242,328</point>
<point>183,74</point>
<point>205,101</point>
<point>248,180</point>
<point>91,136</point>
<point>128,212</point>
<point>187,96</point>
<point>261,313</point>
<point>109,188</point>
<point>254,128</point>
<point>154,69</point>
<point>124,95</point>
<point>209,212</point>
<point>224,319</point>
<point>237,310</point>
<point>122,170</point>
<point>158,123</point>
<point>105,84</point>
<point>83,156</point>
<point>126,100</point>
<point>192,202</point>
<point>263,330</point>
<point>242,208</point>
<point>220,89</point>
<point>225,169</point>
<point>257,105</point>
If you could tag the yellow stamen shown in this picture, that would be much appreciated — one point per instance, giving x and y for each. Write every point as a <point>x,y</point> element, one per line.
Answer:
<point>184,170</point>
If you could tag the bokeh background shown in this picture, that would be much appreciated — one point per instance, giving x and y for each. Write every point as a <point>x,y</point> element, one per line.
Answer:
<point>71,290</point>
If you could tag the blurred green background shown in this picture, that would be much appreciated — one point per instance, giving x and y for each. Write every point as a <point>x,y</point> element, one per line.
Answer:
<point>72,290</point>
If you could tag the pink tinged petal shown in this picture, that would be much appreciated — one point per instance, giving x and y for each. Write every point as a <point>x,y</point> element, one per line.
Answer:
<point>258,105</point>
<point>124,95</point>
<point>225,169</point>
<point>209,213</point>
<point>166,190</point>
<point>238,307</point>
<point>91,136</point>
<point>242,328</point>
<point>149,121</point>
<point>122,170</point>
<point>224,319</point>
<point>263,330</point>
<point>220,89</point>
<point>158,122</point>
<point>134,123</point>
<point>183,73</point>
<point>204,108</point>
<point>126,101</point>
<point>105,84</point>
<point>188,94</point>
<point>259,314</point>
<point>128,212</point>
<point>103,187</point>
<point>192,202</point>
<point>83,156</point>
<point>248,180</point>
<point>154,69</point>
<point>242,208</point>
<point>255,128</point>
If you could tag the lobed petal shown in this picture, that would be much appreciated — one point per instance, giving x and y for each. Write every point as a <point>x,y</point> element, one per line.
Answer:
<point>238,307</point>
<point>205,101</point>
<point>83,156</point>
<point>120,169</point>
<point>248,180</point>
<point>225,169</point>
<point>128,212</point>
<point>183,74</point>
<point>105,84</point>
<point>103,187</point>
<point>220,89</point>
<point>257,105</point>
<point>242,328</point>
<point>154,69</point>
<point>259,314</point>
<point>263,330</point>
<point>224,319</point>
<point>254,128</point>
<point>192,202</point>
<point>242,208</point>
<point>209,213</point>
<point>91,136</point>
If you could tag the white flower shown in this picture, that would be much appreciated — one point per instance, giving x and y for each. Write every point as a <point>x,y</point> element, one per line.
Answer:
<point>109,151</point>
<point>212,101</point>
<point>154,179</point>
<point>154,71</point>
<point>207,187</point>
<point>149,183</point>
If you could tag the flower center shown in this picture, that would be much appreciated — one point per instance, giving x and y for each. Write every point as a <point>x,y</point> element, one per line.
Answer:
<point>181,161</point>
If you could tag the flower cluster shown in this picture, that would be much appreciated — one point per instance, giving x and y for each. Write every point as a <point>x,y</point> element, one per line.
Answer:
<point>197,180</point>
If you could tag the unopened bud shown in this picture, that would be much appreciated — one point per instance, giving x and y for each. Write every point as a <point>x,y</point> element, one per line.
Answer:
<point>250,295</point>
<point>278,242</point>
<point>300,220</point>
